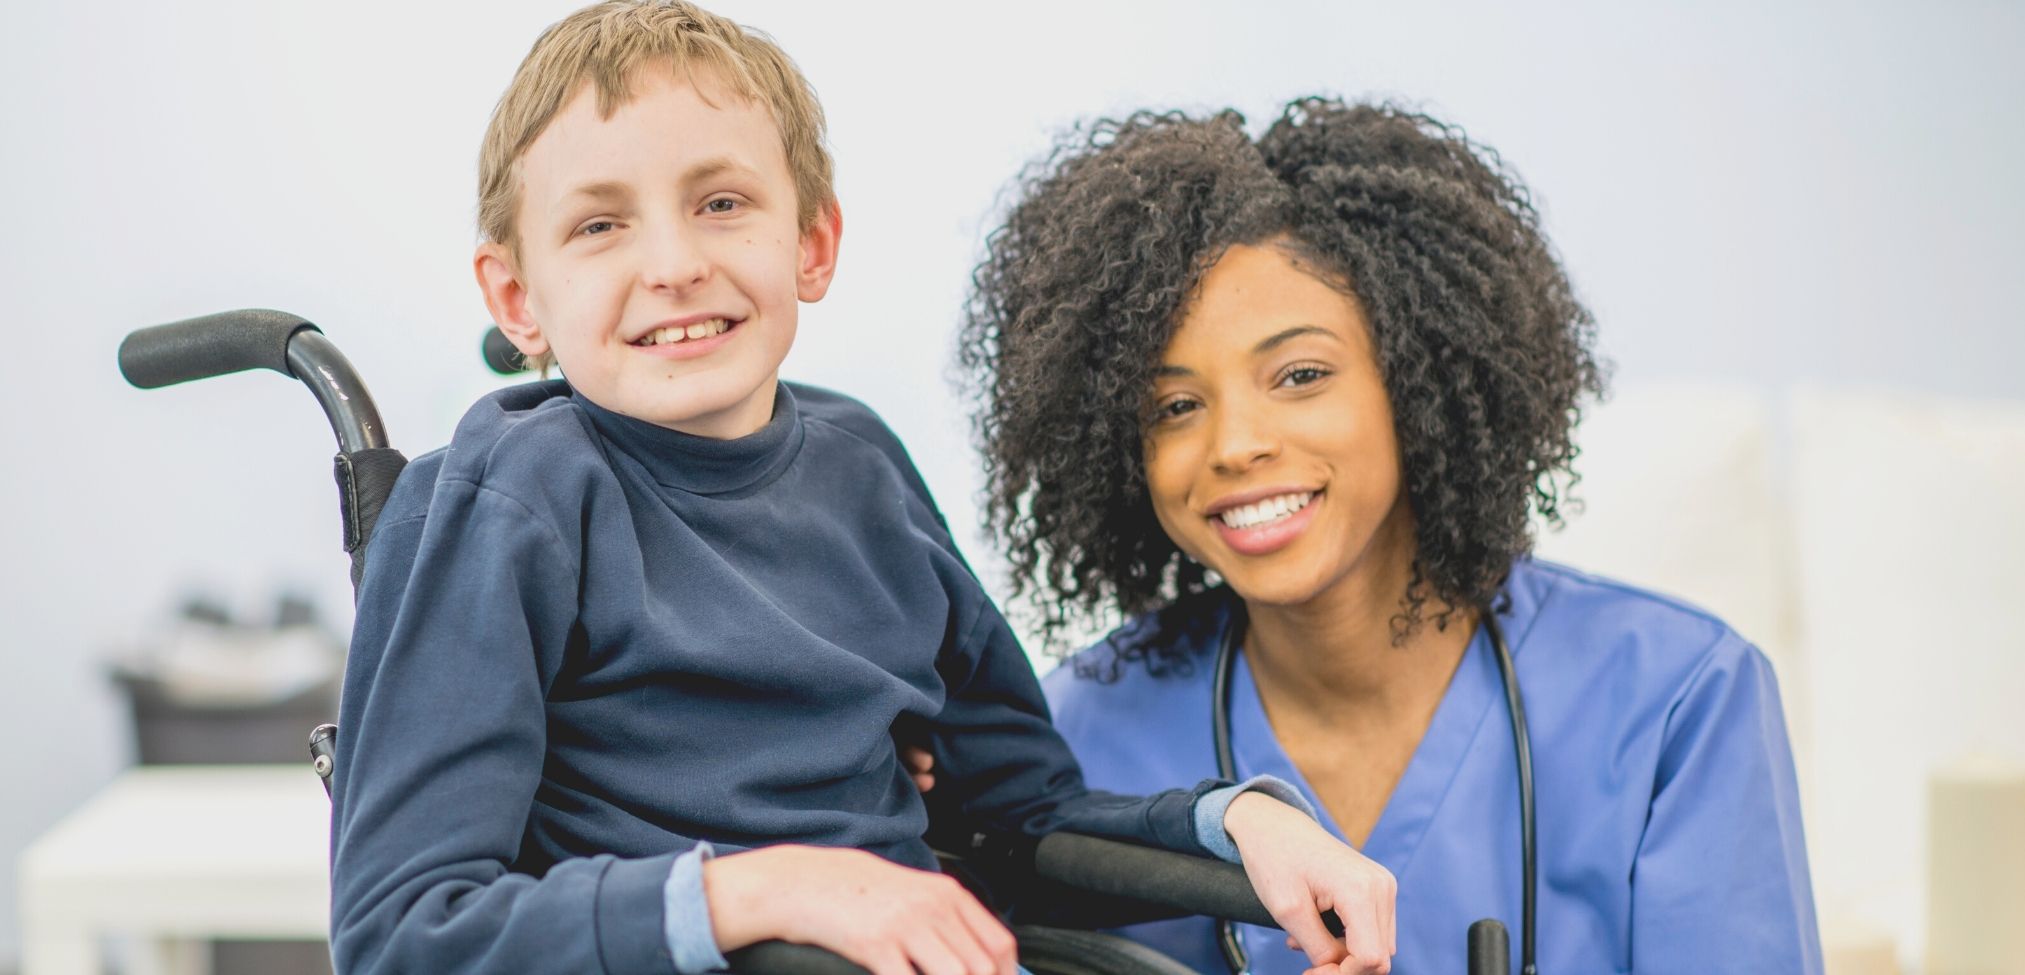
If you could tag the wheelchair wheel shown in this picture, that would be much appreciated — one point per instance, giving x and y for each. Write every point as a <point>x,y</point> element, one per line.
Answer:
<point>1061,951</point>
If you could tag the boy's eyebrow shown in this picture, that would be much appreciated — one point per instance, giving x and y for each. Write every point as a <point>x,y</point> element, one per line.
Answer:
<point>611,189</point>
<point>600,190</point>
<point>714,166</point>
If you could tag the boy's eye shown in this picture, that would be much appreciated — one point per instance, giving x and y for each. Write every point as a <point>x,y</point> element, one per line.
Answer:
<point>722,204</point>
<point>596,227</point>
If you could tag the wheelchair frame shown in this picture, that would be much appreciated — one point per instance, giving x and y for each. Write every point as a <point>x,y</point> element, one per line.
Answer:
<point>1053,890</point>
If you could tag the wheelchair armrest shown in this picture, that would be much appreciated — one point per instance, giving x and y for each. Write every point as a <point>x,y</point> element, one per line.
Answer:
<point>782,958</point>
<point>1142,884</point>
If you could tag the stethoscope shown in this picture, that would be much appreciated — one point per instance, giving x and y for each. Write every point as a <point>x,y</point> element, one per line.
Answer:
<point>1234,952</point>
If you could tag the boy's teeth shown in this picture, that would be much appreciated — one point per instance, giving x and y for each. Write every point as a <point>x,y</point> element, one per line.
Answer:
<point>676,333</point>
<point>1266,511</point>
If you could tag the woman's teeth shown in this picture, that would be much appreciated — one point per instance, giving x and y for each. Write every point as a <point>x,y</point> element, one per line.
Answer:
<point>700,330</point>
<point>1268,511</point>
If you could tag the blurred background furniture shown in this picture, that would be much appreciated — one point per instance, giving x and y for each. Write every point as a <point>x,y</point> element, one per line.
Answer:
<point>166,859</point>
<point>1873,545</point>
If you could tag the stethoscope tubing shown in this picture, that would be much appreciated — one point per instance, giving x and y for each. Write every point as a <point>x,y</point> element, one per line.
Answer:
<point>1234,952</point>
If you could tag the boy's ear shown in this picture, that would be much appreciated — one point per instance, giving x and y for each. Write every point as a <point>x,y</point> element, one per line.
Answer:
<point>506,298</point>
<point>818,254</point>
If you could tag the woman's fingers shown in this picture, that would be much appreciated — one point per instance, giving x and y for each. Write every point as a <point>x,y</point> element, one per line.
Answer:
<point>920,766</point>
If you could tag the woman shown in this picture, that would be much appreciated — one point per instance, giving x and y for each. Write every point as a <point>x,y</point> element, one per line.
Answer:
<point>1290,400</point>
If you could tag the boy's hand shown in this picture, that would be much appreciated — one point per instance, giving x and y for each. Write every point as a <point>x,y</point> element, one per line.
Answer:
<point>1299,871</point>
<point>888,918</point>
<point>920,765</point>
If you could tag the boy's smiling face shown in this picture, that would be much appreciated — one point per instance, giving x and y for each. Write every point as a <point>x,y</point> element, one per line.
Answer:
<point>660,255</point>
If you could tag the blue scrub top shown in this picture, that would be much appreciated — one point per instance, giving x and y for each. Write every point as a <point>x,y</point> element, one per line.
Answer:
<point>1669,818</point>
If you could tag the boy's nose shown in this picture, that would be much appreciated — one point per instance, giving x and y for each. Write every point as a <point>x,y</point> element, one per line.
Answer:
<point>674,260</point>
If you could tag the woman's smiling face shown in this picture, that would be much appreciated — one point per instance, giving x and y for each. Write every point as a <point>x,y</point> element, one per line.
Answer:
<point>1270,455</point>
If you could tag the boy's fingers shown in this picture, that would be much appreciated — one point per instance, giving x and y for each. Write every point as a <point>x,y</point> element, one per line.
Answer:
<point>1366,939</point>
<point>992,936</point>
<point>889,962</point>
<point>1306,930</point>
<point>1388,924</point>
<point>972,955</point>
<point>931,953</point>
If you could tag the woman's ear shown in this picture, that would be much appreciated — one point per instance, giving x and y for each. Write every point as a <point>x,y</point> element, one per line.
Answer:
<point>506,298</point>
<point>818,263</point>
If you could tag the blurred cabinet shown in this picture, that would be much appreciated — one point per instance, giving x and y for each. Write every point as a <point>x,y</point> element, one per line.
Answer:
<point>173,858</point>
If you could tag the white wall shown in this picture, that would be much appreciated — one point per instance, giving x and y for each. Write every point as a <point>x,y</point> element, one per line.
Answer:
<point>1746,193</point>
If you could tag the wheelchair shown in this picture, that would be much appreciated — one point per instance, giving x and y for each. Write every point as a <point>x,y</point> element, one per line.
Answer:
<point>1053,893</point>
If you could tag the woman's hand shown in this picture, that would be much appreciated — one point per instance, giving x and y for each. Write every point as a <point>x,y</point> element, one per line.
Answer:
<point>1299,871</point>
<point>891,919</point>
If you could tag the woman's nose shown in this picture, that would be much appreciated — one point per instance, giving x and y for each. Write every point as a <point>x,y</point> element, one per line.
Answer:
<point>1244,438</point>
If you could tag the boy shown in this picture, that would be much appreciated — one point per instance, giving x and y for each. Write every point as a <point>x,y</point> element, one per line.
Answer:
<point>674,608</point>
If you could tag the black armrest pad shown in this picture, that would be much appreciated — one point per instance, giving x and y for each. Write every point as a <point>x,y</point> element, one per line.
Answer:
<point>1146,878</point>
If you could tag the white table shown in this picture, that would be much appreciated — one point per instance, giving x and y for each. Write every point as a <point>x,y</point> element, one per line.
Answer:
<point>174,856</point>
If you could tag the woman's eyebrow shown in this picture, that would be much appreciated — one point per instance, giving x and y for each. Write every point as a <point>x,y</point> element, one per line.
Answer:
<point>1286,334</point>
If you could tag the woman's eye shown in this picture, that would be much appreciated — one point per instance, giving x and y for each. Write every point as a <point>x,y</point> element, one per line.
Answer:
<point>1174,409</point>
<point>1303,375</point>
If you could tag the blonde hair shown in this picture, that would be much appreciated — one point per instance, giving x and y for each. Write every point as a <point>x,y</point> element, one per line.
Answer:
<point>608,43</point>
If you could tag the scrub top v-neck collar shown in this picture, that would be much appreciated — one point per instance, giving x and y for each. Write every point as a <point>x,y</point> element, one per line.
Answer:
<point>1471,706</point>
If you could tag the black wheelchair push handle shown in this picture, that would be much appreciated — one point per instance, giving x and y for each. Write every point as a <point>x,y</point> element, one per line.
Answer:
<point>258,338</point>
<point>1490,951</point>
<point>500,355</point>
<point>209,345</point>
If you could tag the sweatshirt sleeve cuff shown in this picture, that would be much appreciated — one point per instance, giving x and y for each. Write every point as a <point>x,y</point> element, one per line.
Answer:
<point>685,916</point>
<point>1210,809</point>
<point>628,918</point>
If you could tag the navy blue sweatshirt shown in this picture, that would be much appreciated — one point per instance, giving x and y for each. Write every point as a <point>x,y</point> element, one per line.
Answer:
<point>585,643</point>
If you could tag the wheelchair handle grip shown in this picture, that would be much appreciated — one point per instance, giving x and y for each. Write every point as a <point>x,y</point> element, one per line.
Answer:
<point>500,354</point>
<point>1490,948</point>
<point>209,345</point>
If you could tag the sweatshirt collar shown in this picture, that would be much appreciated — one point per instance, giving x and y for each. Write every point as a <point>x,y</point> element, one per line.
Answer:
<point>702,465</point>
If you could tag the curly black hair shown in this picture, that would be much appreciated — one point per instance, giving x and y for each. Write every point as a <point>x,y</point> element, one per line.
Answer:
<point>1485,351</point>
